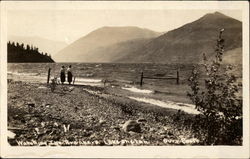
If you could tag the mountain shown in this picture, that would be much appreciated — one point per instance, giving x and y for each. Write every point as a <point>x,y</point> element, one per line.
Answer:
<point>82,50</point>
<point>118,50</point>
<point>45,45</point>
<point>188,43</point>
<point>233,56</point>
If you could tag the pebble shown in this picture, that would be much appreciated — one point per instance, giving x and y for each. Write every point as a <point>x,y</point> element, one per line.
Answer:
<point>115,128</point>
<point>71,89</point>
<point>162,132</point>
<point>166,127</point>
<point>131,126</point>
<point>170,133</point>
<point>102,121</point>
<point>152,130</point>
<point>31,104</point>
<point>42,124</point>
<point>42,87</point>
<point>141,120</point>
<point>37,130</point>
<point>55,124</point>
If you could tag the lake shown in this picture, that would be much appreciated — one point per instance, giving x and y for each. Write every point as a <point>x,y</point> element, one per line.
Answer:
<point>123,79</point>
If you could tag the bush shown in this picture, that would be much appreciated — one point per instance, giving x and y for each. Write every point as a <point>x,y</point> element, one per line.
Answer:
<point>217,100</point>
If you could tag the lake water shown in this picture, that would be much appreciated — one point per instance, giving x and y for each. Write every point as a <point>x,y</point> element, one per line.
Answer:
<point>120,72</point>
<point>122,77</point>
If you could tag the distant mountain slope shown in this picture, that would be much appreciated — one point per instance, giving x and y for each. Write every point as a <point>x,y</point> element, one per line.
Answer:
<point>187,43</point>
<point>45,45</point>
<point>19,54</point>
<point>233,56</point>
<point>116,51</point>
<point>81,50</point>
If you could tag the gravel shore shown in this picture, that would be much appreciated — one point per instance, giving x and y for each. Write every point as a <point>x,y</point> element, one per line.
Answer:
<point>87,115</point>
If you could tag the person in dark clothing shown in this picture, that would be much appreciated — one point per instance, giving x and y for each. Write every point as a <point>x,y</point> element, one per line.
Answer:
<point>70,74</point>
<point>62,74</point>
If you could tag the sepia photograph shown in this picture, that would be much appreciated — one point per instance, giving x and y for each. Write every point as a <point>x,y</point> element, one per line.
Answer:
<point>125,74</point>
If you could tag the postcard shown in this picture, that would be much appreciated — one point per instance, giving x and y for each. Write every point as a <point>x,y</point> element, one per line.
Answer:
<point>125,79</point>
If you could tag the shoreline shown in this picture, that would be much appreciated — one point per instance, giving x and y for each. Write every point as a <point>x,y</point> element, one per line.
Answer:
<point>91,117</point>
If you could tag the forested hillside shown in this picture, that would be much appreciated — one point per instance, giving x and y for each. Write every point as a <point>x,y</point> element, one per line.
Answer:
<point>19,53</point>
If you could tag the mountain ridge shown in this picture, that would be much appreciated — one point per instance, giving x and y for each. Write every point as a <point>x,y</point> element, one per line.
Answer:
<point>187,43</point>
<point>101,37</point>
<point>129,44</point>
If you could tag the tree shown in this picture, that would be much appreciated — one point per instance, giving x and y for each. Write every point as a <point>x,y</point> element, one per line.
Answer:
<point>13,44</point>
<point>217,99</point>
<point>22,46</point>
<point>28,47</point>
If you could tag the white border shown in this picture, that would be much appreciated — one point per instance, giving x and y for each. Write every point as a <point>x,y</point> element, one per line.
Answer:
<point>131,151</point>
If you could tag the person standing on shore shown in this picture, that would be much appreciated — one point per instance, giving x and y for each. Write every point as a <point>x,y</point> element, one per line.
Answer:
<point>62,74</point>
<point>70,74</point>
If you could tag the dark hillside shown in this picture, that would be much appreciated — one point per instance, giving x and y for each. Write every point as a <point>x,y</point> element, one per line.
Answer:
<point>188,43</point>
<point>46,45</point>
<point>19,54</point>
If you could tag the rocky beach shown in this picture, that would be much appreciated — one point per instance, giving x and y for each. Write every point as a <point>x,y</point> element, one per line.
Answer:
<point>90,115</point>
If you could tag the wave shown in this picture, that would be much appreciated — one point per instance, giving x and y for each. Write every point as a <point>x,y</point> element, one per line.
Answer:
<point>188,108</point>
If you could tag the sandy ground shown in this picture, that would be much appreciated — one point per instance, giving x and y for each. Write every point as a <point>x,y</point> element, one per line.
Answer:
<point>89,115</point>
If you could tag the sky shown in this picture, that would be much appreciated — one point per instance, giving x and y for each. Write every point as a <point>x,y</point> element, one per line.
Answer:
<point>70,25</point>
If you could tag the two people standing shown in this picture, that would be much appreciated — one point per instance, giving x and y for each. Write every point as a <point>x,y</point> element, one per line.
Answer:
<point>63,74</point>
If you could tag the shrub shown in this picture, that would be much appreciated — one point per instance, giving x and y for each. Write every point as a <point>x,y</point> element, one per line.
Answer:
<point>217,100</point>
